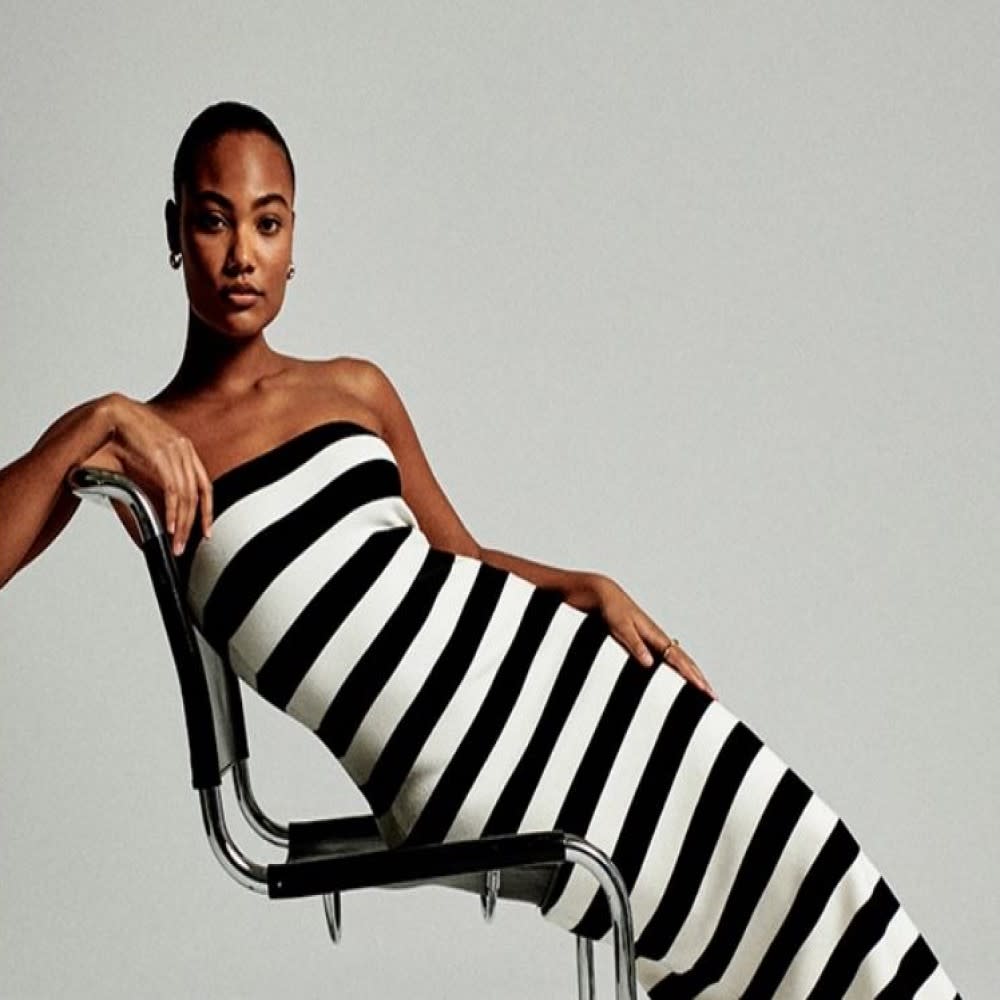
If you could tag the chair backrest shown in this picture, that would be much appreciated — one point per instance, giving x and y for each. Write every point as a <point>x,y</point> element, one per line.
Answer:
<point>213,709</point>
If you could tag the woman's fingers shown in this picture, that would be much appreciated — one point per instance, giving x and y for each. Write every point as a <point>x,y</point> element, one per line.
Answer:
<point>640,636</point>
<point>169,468</point>
<point>170,508</point>
<point>171,494</point>
<point>675,657</point>
<point>629,638</point>
<point>205,493</point>
<point>188,499</point>
<point>166,457</point>
<point>658,639</point>
<point>686,667</point>
<point>195,493</point>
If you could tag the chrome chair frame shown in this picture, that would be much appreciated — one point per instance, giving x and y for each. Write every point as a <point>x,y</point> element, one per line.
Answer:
<point>325,858</point>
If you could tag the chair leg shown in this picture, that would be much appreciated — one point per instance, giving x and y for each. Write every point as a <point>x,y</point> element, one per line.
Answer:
<point>585,967</point>
<point>331,907</point>
<point>488,894</point>
<point>592,858</point>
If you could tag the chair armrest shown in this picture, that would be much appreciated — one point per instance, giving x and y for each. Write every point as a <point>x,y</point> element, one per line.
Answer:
<point>315,876</point>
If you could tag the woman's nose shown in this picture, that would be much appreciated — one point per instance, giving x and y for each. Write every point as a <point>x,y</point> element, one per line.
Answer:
<point>240,258</point>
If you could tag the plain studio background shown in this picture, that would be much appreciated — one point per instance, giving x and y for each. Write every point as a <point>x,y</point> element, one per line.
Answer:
<point>704,297</point>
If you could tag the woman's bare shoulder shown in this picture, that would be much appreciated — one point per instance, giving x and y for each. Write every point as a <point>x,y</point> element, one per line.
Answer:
<point>360,380</point>
<point>360,376</point>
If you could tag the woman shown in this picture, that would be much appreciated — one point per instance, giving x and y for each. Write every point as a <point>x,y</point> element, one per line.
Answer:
<point>467,691</point>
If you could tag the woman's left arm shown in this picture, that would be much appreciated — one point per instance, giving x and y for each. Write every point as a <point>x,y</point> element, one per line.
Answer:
<point>638,634</point>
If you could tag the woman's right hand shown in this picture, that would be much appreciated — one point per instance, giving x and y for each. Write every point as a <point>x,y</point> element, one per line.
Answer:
<point>111,431</point>
<point>149,448</point>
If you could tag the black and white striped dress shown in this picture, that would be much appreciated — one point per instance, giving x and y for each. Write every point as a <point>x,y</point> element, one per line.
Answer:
<point>464,700</point>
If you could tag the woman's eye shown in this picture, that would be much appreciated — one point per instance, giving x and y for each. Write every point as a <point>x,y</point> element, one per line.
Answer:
<point>211,222</point>
<point>269,225</point>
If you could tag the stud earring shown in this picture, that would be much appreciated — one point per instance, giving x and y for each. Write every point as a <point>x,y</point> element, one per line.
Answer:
<point>175,259</point>
<point>291,272</point>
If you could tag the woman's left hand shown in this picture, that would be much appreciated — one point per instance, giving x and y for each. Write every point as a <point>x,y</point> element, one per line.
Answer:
<point>638,634</point>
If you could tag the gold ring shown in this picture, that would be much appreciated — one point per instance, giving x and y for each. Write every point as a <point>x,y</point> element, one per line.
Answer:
<point>669,646</point>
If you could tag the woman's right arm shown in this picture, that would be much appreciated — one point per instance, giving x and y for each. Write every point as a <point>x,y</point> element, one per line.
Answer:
<point>34,501</point>
<point>112,431</point>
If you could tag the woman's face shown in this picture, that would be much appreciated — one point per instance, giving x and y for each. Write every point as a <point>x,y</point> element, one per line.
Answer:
<point>235,233</point>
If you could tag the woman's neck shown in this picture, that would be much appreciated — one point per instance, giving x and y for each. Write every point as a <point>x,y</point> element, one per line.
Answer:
<point>220,366</point>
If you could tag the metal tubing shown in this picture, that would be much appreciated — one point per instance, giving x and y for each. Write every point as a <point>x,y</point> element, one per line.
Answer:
<point>489,893</point>
<point>331,907</point>
<point>247,873</point>
<point>258,820</point>
<point>585,968</point>
<point>592,858</point>
<point>90,483</point>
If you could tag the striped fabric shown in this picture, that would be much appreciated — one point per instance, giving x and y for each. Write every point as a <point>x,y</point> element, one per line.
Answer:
<point>464,701</point>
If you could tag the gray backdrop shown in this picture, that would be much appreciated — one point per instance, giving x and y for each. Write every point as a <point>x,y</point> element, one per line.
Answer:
<point>704,296</point>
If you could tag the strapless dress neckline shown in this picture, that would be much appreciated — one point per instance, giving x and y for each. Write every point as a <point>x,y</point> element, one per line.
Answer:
<point>288,442</point>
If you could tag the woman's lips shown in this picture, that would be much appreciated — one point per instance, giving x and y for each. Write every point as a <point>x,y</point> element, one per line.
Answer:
<point>241,298</point>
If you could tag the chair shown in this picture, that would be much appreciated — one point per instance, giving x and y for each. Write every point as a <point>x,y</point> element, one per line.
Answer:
<point>328,857</point>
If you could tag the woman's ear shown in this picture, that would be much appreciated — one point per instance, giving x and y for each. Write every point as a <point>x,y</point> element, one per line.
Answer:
<point>171,215</point>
